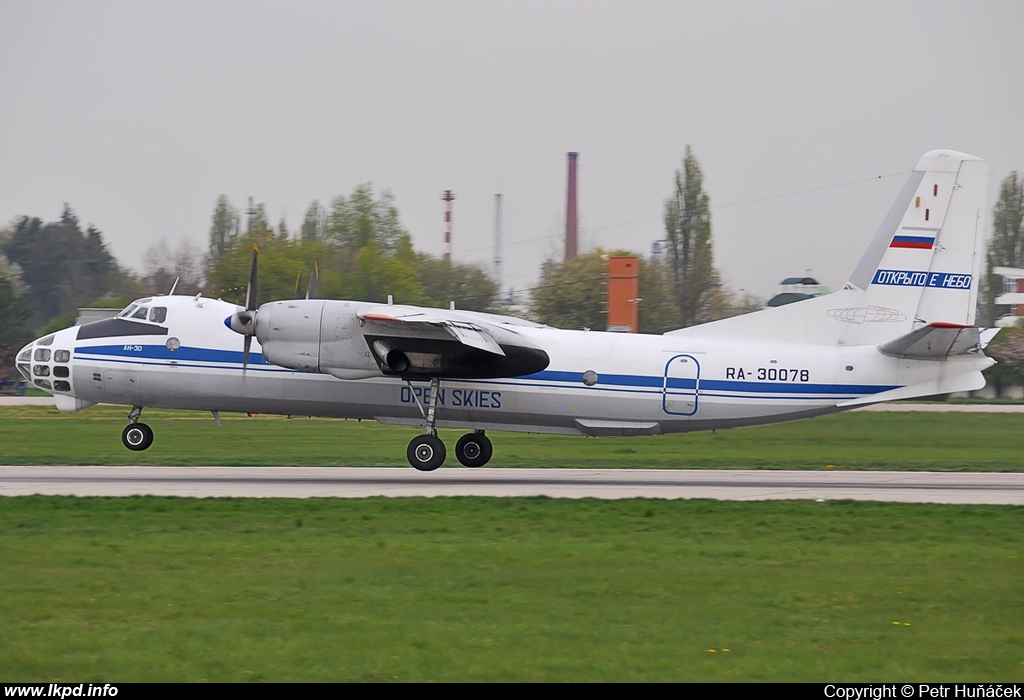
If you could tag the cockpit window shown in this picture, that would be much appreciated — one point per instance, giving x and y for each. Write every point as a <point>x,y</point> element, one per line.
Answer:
<point>141,313</point>
<point>48,340</point>
<point>158,314</point>
<point>25,355</point>
<point>127,312</point>
<point>42,355</point>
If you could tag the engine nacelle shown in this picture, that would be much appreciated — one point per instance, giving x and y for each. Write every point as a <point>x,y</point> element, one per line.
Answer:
<point>315,335</point>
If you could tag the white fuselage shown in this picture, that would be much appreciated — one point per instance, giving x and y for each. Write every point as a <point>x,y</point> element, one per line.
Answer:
<point>644,384</point>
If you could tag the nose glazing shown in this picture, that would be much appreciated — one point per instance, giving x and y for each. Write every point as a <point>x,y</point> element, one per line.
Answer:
<point>46,366</point>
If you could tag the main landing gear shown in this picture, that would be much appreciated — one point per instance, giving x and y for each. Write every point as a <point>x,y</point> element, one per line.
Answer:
<point>426,452</point>
<point>136,436</point>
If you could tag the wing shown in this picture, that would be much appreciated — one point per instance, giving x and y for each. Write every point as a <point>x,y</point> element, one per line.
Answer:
<point>409,320</point>
<point>418,342</point>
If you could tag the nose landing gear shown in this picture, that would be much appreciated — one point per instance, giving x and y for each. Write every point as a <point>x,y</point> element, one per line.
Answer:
<point>136,436</point>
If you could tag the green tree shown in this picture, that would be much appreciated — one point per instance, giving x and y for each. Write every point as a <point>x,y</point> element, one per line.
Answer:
<point>63,267</point>
<point>444,281</point>
<point>659,309</point>
<point>163,267</point>
<point>1008,350</point>
<point>281,260</point>
<point>224,225</point>
<point>572,294</point>
<point>14,314</point>
<point>314,224</point>
<point>379,275</point>
<point>360,219</point>
<point>1006,247</point>
<point>688,231</point>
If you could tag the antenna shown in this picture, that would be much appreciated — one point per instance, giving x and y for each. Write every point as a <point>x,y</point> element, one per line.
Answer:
<point>497,240</point>
<point>251,213</point>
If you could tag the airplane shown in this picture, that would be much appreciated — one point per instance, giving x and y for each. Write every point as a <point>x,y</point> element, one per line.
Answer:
<point>902,327</point>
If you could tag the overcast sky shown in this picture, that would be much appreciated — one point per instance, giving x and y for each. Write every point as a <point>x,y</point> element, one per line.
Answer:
<point>805,117</point>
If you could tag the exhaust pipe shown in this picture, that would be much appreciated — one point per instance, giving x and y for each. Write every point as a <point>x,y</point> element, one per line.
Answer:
<point>395,359</point>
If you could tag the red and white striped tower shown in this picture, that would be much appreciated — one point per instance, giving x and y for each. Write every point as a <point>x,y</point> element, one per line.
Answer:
<point>448,196</point>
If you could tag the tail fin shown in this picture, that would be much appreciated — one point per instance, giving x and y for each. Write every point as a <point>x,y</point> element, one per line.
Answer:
<point>924,264</point>
<point>922,268</point>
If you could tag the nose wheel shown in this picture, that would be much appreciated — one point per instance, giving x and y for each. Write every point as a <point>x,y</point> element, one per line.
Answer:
<point>136,436</point>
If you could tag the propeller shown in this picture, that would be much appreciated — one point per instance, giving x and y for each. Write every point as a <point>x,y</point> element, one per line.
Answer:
<point>311,287</point>
<point>313,277</point>
<point>244,322</point>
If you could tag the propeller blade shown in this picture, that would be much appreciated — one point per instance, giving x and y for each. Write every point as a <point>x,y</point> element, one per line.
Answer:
<point>250,291</point>
<point>314,276</point>
<point>250,306</point>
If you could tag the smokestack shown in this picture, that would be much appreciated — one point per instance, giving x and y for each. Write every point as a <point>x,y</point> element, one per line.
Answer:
<point>571,245</point>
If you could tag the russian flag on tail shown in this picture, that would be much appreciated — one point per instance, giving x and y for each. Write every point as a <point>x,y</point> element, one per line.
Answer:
<point>919,242</point>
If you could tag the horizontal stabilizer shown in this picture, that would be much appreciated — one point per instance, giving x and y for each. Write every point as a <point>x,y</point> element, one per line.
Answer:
<point>936,341</point>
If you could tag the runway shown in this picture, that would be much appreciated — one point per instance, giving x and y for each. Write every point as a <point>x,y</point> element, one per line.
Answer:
<point>362,482</point>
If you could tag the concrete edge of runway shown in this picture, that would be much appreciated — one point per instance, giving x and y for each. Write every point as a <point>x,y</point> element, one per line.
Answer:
<point>995,488</point>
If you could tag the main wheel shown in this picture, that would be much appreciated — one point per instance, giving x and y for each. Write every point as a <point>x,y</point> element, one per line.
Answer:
<point>137,436</point>
<point>426,452</point>
<point>474,449</point>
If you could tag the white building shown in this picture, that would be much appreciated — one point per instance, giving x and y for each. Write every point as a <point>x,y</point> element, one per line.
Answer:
<point>1013,295</point>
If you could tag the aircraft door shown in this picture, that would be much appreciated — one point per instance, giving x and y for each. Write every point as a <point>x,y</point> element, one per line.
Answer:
<point>681,388</point>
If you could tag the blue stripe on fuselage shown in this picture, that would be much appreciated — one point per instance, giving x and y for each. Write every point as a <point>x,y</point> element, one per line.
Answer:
<point>545,378</point>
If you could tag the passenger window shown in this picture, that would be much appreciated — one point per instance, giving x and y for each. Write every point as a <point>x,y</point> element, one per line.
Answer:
<point>158,314</point>
<point>61,355</point>
<point>141,313</point>
<point>42,355</point>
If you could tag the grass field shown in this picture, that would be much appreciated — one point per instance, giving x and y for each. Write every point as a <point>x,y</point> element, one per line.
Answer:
<point>527,589</point>
<point>143,589</point>
<point>914,441</point>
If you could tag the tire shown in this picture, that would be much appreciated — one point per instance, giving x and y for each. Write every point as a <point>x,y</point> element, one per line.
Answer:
<point>426,452</point>
<point>137,436</point>
<point>474,450</point>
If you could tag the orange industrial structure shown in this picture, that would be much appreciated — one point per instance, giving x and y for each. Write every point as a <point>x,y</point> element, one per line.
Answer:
<point>623,293</point>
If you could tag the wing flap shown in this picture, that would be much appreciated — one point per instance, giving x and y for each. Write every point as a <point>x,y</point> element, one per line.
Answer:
<point>411,319</point>
<point>473,337</point>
